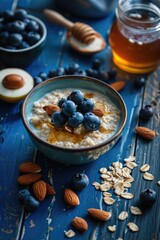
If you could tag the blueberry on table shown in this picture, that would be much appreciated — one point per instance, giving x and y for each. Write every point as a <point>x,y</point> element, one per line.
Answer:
<point>58,119</point>
<point>86,105</point>
<point>31,203</point>
<point>68,108</point>
<point>76,96</point>
<point>60,71</point>
<point>75,119</point>
<point>148,197</point>
<point>72,68</point>
<point>79,181</point>
<point>43,75</point>
<point>91,122</point>
<point>96,64</point>
<point>52,73</point>
<point>37,80</point>
<point>146,113</point>
<point>139,82</point>
<point>80,72</point>
<point>23,194</point>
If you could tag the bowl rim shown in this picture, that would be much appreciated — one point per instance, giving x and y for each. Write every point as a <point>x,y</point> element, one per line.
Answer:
<point>84,149</point>
<point>44,35</point>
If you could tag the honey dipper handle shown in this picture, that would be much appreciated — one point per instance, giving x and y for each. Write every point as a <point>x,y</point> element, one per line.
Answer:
<point>55,17</point>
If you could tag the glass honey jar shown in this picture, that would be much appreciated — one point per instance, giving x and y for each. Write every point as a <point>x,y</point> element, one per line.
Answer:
<point>135,36</point>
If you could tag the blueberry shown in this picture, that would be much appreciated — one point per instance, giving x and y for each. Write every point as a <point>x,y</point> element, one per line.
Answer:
<point>11,47</point>
<point>72,68</point>
<point>32,26</point>
<point>24,44</point>
<point>20,14</point>
<point>92,72</point>
<point>24,194</point>
<point>61,102</point>
<point>112,73</point>
<point>103,75</point>
<point>31,203</point>
<point>79,181</point>
<point>146,113</point>
<point>37,80</point>
<point>75,120</point>
<point>1,27</point>
<point>86,105</point>
<point>80,72</point>
<point>96,64</point>
<point>52,73</point>
<point>7,15</point>
<point>15,39</point>
<point>60,71</point>
<point>148,197</point>
<point>58,119</point>
<point>91,122</point>
<point>68,108</point>
<point>76,96</point>
<point>33,37</point>
<point>43,75</point>
<point>16,27</point>
<point>4,38</point>
<point>139,82</point>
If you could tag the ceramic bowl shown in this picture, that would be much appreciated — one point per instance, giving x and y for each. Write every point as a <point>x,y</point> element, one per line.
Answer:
<point>24,57</point>
<point>76,155</point>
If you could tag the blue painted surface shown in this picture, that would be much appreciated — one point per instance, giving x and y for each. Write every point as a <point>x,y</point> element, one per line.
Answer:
<point>52,217</point>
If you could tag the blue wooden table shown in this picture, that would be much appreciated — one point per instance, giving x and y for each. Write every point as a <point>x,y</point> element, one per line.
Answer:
<point>52,217</point>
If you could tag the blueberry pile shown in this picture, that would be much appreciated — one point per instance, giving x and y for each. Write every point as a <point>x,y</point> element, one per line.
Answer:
<point>18,31</point>
<point>74,69</point>
<point>76,110</point>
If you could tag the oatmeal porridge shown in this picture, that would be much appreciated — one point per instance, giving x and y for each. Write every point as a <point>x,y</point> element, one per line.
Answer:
<point>76,137</point>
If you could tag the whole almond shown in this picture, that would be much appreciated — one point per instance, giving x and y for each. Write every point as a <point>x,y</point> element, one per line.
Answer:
<point>146,133</point>
<point>118,86</point>
<point>98,112</point>
<point>51,109</point>
<point>71,197</point>
<point>29,178</point>
<point>40,190</point>
<point>80,224</point>
<point>13,81</point>
<point>29,167</point>
<point>50,190</point>
<point>99,214</point>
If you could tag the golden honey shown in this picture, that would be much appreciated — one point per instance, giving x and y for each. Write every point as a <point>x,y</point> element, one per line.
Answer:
<point>135,36</point>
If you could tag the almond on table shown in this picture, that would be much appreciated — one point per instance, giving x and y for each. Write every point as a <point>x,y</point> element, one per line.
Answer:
<point>71,198</point>
<point>99,214</point>
<point>29,167</point>
<point>29,178</point>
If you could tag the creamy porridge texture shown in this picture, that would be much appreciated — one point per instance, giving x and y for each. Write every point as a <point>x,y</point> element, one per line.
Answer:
<point>77,137</point>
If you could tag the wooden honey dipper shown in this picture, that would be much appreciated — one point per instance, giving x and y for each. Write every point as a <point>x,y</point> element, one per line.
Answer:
<point>81,31</point>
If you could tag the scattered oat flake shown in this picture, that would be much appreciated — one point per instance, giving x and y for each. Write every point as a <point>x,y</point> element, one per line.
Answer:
<point>96,185</point>
<point>148,176</point>
<point>127,195</point>
<point>112,228</point>
<point>119,238</point>
<point>109,200</point>
<point>123,215</point>
<point>135,210</point>
<point>145,168</point>
<point>131,165</point>
<point>107,194</point>
<point>158,182</point>
<point>133,227</point>
<point>70,233</point>
<point>32,224</point>
<point>105,187</point>
<point>103,170</point>
<point>130,159</point>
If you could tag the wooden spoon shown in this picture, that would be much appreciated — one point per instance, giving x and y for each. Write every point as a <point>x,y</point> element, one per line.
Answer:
<point>81,36</point>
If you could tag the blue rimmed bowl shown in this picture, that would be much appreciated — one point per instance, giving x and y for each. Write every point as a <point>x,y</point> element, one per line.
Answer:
<point>73,155</point>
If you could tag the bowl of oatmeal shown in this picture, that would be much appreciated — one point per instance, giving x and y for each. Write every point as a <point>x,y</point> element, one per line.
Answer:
<point>74,119</point>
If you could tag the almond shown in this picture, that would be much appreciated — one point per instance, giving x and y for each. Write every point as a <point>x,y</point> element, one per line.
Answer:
<point>71,197</point>
<point>13,81</point>
<point>145,132</point>
<point>29,178</point>
<point>40,190</point>
<point>29,167</point>
<point>99,214</point>
<point>80,224</point>
<point>50,190</point>
<point>118,86</point>
<point>51,109</point>
<point>98,112</point>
